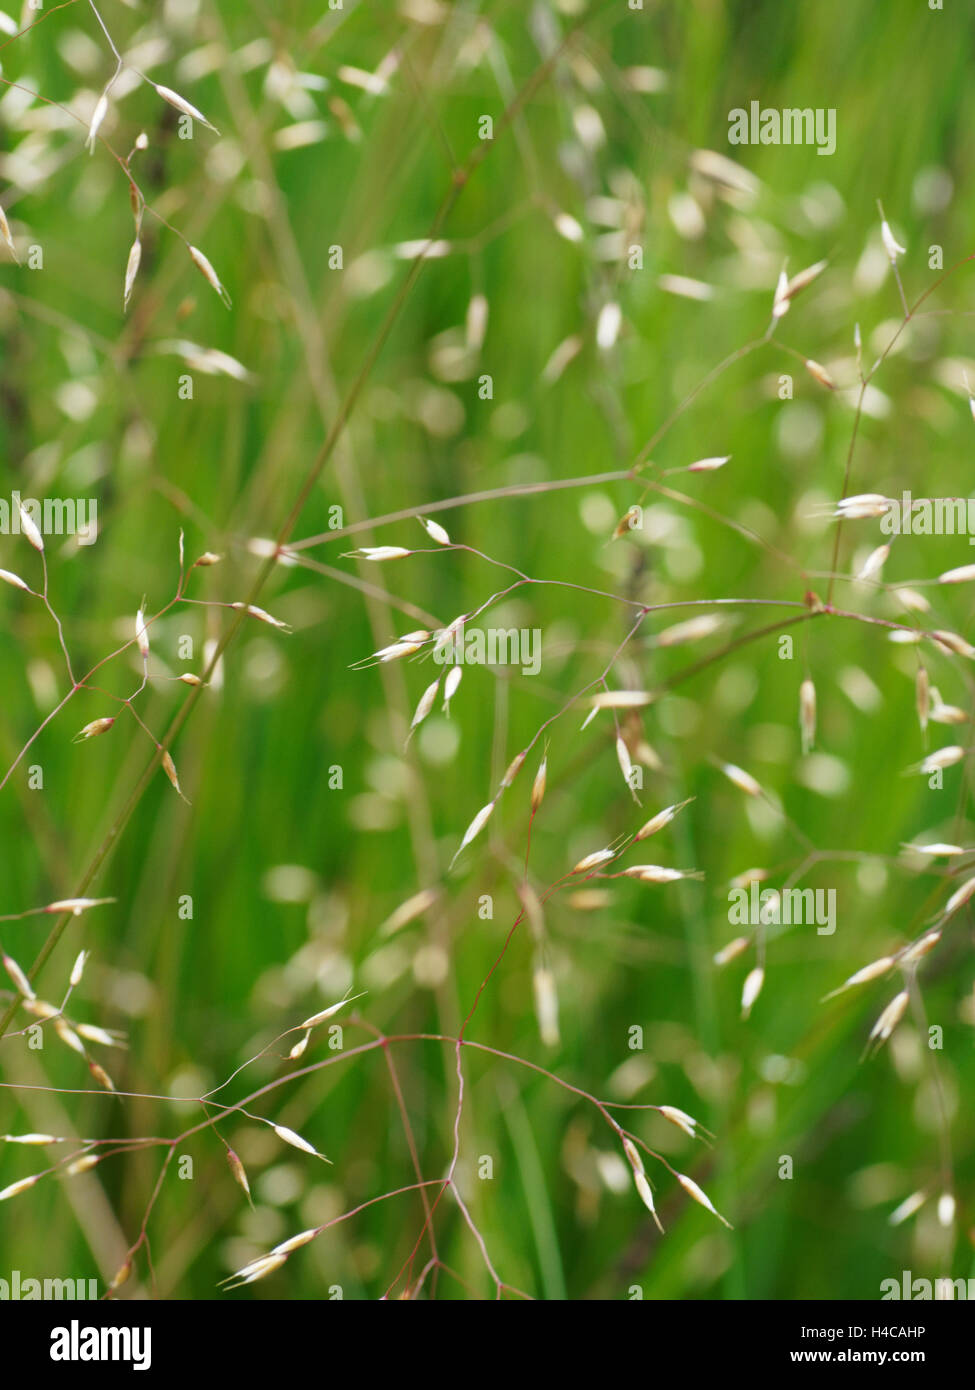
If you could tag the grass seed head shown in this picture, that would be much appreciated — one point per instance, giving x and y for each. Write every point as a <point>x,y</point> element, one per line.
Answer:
<point>743,780</point>
<point>732,950</point>
<point>131,271</point>
<point>538,786</point>
<point>692,1190</point>
<point>661,819</point>
<point>29,528</point>
<point>435,531</point>
<point>295,1140</point>
<point>96,727</point>
<point>209,274</point>
<point>20,1186</point>
<point>182,105</point>
<point>807,714</point>
<point>890,1017</point>
<point>7,578</point>
<point>475,827</point>
<point>7,238</point>
<point>646,1196</point>
<point>19,978</point>
<point>751,989</point>
<point>546,1006</point>
<point>593,861</point>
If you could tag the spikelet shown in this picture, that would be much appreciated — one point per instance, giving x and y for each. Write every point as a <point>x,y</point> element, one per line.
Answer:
<point>621,699</point>
<point>946,1210</point>
<point>78,969</point>
<point>69,1037</point>
<point>953,643</point>
<point>891,245</point>
<point>920,948</point>
<point>709,465</point>
<point>731,951</point>
<point>295,1242</point>
<point>209,274</point>
<point>7,578</point>
<point>691,631</point>
<point>474,829</point>
<point>922,697</point>
<point>425,704</point>
<point>907,1208</point>
<point>643,1187</point>
<point>862,506</point>
<point>592,861</point>
<point>658,873</point>
<point>751,989</point>
<point>626,765</point>
<point>435,531</point>
<point>20,1186</point>
<point>889,1018</point>
<point>546,1006</point>
<point>514,767</point>
<point>780,301</point>
<point>239,1173</point>
<point>940,713</point>
<point>31,1139</point>
<point>253,611</point>
<point>538,786</point>
<point>82,1164</point>
<point>24,987</point>
<point>182,105</point>
<point>29,528</point>
<point>40,1008</point>
<point>131,271</point>
<point>295,1140</point>
<point>819,373</point>
<point>680,1118</point>
<point>169,767</point>
<point>872,971</point>
<point>257,1269</point>
<point>743,780</point>
<point>661,819</point>
<point>942,758</point>
<point>874,562</point>
<point>7,238</point>
<point>299,1048</point>
<point>805,278</point>
<point>936,849</point>
<point>141,636</point>
<point>450,686</point>
<point>807,714</point>
<point>332,1009</point>
<point>692,1190</point>
<point>96,727</point>
<point>408,911</point>
<point>101,1076</point>
<point>962,575</point>
<point>378,552</point>
<point>92,1033</point>
<point>188,678</point>
<point>76,905</point>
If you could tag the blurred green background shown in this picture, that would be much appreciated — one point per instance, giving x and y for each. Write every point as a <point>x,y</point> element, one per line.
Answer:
<point>291,878</point>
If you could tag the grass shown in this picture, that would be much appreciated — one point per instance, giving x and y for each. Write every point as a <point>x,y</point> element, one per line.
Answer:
<point>363,406</point>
